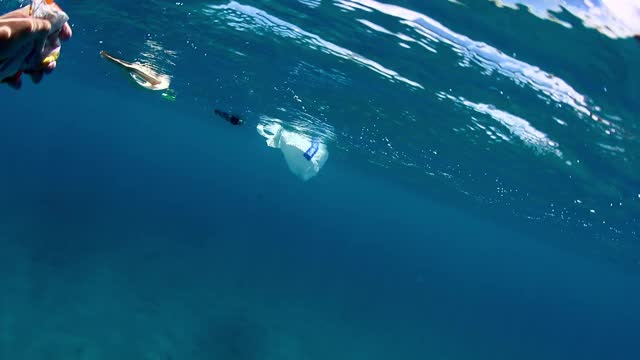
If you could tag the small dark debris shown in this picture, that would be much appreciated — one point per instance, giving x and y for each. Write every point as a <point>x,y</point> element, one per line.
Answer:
<point>233,119</point>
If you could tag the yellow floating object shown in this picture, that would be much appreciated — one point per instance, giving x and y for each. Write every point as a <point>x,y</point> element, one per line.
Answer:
<point>51,58</point>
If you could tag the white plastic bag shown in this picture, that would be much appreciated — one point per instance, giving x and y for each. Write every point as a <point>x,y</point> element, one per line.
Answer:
<point>304,156</point>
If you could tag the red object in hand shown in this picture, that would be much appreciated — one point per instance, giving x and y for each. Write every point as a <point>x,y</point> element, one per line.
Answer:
<point>13,78</point>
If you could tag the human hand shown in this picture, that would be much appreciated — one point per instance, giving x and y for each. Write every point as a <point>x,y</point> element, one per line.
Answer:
<point>22,38</point>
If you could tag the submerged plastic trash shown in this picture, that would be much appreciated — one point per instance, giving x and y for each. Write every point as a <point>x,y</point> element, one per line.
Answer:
<point>304,156</point>
<point>169,95</point>
<point>231,118</point>
<point>49,10</point>
<point>143,75</point>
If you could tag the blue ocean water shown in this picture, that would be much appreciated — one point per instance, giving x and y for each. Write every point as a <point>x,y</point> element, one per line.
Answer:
<point>480,199</point>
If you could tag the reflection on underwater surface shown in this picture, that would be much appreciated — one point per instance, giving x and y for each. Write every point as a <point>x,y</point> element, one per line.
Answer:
<point>613,18</point>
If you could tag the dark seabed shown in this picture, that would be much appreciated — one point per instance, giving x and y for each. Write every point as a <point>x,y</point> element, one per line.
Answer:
<point>480,199</point>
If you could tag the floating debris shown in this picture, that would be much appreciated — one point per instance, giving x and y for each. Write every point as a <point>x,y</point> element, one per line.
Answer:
<point>143,75</point>
<point>233,119</point>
